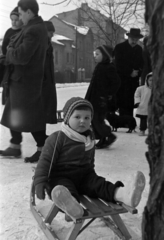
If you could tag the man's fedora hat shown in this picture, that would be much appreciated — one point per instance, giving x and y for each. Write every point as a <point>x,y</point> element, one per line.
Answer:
<point>135,32</point>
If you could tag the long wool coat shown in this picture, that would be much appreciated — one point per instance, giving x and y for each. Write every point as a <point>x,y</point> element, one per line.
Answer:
<point>127,58</point>
<point>49,87</point>
<point>104,84</point>
<point>24,111</point>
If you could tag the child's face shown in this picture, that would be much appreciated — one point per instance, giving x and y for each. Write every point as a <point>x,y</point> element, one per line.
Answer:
<point>15,22</point>
<point>98,56</point>
<point>150,82</point>
<point>80,120</point>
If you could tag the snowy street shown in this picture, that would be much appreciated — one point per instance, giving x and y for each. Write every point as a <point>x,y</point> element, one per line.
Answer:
<point>124,157</point>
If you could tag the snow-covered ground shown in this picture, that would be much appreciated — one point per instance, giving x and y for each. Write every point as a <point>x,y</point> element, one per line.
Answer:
<point>125,156</point>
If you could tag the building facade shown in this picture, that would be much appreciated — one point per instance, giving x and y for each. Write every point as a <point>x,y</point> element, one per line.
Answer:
<point>73,50</point>
<point>105,31</point>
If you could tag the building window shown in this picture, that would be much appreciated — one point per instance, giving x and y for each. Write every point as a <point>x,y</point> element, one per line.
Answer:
<point>56,57</point>
<point>67,57</point>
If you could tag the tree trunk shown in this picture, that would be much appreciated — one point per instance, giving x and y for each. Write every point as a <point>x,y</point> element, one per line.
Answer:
<point>153,217</point>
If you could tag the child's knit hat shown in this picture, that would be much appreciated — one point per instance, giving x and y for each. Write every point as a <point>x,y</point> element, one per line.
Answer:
<point>72,104</point>
<point>14,12</point>
<point>107,51</point>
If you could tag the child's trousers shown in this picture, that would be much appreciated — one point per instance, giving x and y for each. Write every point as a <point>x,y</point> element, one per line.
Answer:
<point>84,181</point>
<point>143,123</point>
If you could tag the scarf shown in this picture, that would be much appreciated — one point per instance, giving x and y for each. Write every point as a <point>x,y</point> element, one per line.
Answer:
<point>75,136</point>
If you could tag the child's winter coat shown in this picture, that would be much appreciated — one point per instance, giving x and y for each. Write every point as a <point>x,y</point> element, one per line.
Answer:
<point>142,96</point>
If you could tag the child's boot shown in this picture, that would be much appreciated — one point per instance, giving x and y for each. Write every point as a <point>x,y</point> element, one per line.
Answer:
<point>63,199</point>
<point>132,192</point>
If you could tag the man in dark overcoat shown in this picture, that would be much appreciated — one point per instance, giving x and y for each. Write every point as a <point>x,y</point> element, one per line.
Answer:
<point>129,63</point>
<point>24,109</point>
<point>49,84</point>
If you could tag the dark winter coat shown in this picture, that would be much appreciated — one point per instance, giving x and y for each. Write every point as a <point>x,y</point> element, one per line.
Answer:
<point>104,84</point>
<point>24,110</point>
<point>147,68</point>
<point>66,156</point>
<point>10,33</point>
<point>127,59</point>
<point>49,87</point>
<point>7,37</point>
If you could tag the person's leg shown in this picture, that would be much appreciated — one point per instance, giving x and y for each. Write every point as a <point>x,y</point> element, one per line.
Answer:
<point>14,149</point>
<point>40,138</point>
<point>143,125</point>
<point>97,187</point>
<point>66,197</point>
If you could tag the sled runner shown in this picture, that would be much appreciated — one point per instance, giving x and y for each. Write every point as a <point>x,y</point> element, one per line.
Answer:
<point>93,208</point>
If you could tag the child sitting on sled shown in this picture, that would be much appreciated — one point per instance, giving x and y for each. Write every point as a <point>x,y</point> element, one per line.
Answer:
<point>65,169</point>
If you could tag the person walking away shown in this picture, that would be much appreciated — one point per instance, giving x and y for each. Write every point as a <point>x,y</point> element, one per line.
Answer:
<point>24,110</point>
<point>16,26</point>
<point>129,64</point>
<point>141,98</point>
<point>104,84</point>
<point>66,166</point>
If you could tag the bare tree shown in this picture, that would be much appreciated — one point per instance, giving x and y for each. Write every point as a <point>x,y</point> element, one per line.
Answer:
<point>112,17</point>
<point>153,219</point>
<point>58,3</point>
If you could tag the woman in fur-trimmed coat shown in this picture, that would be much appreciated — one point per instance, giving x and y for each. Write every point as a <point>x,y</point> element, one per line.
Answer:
<point>104,84</point>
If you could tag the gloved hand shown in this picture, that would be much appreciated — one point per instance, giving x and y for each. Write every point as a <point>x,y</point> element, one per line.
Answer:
<point>40,190</point>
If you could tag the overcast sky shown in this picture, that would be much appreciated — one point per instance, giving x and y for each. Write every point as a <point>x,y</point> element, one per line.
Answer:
<point>46,11</point>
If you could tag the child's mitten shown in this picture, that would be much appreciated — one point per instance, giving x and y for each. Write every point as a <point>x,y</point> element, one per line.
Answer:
<point>40,190</point>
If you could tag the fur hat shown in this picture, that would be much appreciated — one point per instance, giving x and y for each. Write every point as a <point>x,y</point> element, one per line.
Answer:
<point>72,104</point>
<point>106,50</point>
<point>135,32</point>
<point>14,12</point>
<point>49,25</point>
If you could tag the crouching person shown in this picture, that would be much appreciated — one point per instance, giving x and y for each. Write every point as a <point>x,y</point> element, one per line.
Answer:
<point>66,165</point>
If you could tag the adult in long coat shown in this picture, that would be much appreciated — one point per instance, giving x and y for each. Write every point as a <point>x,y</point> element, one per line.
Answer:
<point>104,84</point>
<point>24,109</point>
<point>129,64</point>
<point>49,84</point>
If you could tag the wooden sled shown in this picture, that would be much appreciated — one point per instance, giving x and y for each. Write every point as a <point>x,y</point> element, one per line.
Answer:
<point>93,208</point>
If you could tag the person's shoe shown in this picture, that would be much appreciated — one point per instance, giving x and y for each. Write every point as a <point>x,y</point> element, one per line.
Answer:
<point>131,193</point>
<point>142,133</point>
<point>106,142</point>
<point>34,158</point>
<point>111,139</point>
<point>11,152</point>
<point>100,143</point>
<point>63,199</point>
